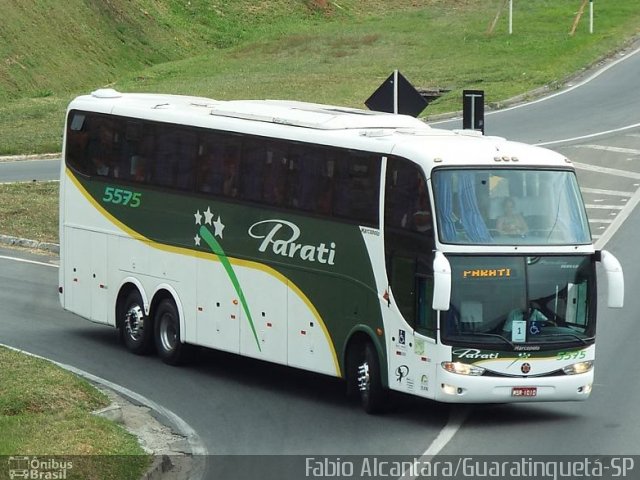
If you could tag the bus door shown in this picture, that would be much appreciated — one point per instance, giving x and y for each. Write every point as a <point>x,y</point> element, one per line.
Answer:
<point>409,246</point>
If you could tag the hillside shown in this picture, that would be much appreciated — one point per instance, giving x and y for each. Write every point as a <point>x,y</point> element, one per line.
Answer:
<point>52,47</point>
<point>331,51</point>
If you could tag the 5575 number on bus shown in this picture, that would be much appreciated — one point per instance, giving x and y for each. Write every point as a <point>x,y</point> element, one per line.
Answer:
<point>120,196</point>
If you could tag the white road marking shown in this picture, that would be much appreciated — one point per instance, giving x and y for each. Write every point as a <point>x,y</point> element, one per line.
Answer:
<point>599,191</point>
<point>457,417</point>
<point>600,220</point>
<point>607,170</point>
<point>34,262</point>
<point>604,207</point>
<point>619,220</point>
<point>592,135</point>
<point>608,148</point>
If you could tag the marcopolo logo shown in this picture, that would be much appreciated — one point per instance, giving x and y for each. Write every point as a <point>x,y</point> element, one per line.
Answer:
<point>280,237</point>
<point>37,468</point>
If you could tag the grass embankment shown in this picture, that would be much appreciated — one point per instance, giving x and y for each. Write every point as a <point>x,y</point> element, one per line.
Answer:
<point>30,210</point>
<point>317,50</point>
<point>46,411</point>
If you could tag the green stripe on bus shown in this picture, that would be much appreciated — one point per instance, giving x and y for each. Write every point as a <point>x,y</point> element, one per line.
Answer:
<point>216,248</point>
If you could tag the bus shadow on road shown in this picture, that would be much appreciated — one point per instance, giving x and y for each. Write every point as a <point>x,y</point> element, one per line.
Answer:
<point>256,380</point>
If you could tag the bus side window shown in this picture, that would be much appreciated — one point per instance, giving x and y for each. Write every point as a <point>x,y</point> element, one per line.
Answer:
<point>136,151</point>
<point>357,187</point>
<point>104,148</point>
<point>185,162</point>
<point>175,158</point>
<point>166,154</point>
<point>310,182</point>
<point>210,170</point>
<point>254,156</point>
<point>77,142</point>
<point>275,175</point>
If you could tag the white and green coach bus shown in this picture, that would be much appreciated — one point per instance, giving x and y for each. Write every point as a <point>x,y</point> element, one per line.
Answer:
<point>357,244</point>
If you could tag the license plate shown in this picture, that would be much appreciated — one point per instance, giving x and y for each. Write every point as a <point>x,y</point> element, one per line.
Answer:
<point>524,391</point>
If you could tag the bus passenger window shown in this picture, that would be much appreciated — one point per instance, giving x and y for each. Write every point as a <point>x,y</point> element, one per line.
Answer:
<point>309,181</point>
<point>77,141</point>
<point>231,168</point>
<point>166,154</point>
<point>137,151</point>
<point>103,148</point>
<point>357,188</point>
<point>252,167</point>
<point>175,158</point>
<point>209,178</point>
<point>275,176</point>
<point>185,162</point>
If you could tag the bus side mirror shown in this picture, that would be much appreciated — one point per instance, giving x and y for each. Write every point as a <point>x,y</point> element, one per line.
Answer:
<point>441,282</point>
<point>615,279</point>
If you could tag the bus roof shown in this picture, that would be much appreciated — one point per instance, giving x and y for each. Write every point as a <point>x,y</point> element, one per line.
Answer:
<point>285,112</point>
<point>325,124</point>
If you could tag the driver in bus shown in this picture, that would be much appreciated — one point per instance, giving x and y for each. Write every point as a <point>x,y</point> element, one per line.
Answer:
<point>511,222</point>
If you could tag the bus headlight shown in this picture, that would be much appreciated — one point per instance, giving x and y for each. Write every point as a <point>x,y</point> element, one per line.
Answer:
<point>576,368</point>
<point>462,368</point>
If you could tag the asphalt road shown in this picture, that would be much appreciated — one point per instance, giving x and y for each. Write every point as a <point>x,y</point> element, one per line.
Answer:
<point>30,170</point>
<point>607,102</point>
<point>240,406</point>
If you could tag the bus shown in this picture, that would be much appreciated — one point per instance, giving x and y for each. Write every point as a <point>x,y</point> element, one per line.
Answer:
<point>361,245</point>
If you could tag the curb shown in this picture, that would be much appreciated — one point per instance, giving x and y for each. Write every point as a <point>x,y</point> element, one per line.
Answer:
<point>181,458</point>
<point>26,243</point>
<point>38,156</point>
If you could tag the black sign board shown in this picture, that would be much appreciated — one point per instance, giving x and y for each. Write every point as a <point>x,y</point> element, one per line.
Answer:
<point>397,95</point>
<point>473,110</point>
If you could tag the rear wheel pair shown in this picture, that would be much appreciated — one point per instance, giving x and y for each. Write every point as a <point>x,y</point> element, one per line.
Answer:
<point>140,334</point>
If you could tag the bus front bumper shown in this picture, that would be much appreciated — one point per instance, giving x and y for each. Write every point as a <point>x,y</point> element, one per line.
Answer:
<point>454,388</point>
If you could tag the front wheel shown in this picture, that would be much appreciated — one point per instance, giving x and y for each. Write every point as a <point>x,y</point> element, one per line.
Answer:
<point>167,333</point>
<point>373,396</point>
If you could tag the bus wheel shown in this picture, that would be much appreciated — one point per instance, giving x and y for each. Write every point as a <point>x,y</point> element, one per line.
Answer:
<point>373,395</point>
<point>136,330</point>
<point>167,333</point>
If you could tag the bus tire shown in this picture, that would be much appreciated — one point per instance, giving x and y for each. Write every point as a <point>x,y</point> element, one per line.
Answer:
<point>167,333</point>
<point>373,396</point>
<point>136,329</point>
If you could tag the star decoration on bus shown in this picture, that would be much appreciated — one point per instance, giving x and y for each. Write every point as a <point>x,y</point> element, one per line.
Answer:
<point>217,225</point>
<point>206,234</point>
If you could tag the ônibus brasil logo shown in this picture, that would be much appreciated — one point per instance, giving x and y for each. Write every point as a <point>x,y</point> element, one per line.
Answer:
<point>204,233</point>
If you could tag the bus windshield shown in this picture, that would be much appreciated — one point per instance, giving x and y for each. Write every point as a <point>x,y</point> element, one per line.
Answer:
<point>508,300</point>
<point>509,206</point>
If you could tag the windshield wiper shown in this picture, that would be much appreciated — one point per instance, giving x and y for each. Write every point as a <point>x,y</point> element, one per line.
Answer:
<point>491,335</point>
<point>568,334</point>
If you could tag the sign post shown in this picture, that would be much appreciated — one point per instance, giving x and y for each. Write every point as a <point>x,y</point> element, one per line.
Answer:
<point>473,110</point>
<point>397,95</point>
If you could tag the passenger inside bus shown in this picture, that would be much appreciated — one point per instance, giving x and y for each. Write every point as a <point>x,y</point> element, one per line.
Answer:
<point>231,162</point>
<point>102,150</point>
